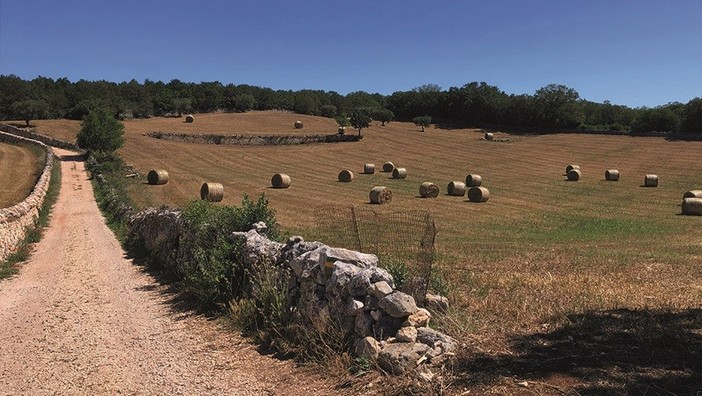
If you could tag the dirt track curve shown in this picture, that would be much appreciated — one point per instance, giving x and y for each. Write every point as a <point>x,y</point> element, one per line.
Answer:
<point>81,319</point>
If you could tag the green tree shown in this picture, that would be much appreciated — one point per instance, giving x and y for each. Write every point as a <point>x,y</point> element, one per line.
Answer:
<point>242,103</point>
<point>422,121</point>
<point>31,109</point>
<point>328,111</point>
<point>360,118</point>
<point>692,117</point>
<point>182,105</point>
<point>383,115</point>
<point>343,122</point>
<point>100,131</point>
<point>558,106</point>
<point>658,119</point>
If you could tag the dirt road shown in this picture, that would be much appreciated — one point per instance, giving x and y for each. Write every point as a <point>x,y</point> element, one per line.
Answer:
<point>80,319</point>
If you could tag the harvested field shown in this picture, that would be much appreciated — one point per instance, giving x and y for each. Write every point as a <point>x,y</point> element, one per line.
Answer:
<point>543,256</point>
<point>20,166</point>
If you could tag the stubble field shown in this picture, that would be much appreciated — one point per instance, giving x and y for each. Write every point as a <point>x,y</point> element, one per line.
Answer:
<point>20,166</point>
<point>543,256</point>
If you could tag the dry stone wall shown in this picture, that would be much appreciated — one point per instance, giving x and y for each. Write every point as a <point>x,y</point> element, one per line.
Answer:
<point>35,136</point>
<point>15,219</point>
<point>253,140</point>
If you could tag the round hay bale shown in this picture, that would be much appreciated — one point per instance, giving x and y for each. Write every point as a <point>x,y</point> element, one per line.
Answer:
<point>693,194</point>
<point>213,192</point>
<point>612,175</point>
<point>399,173</point>
<point>489,136</point>
<point>341,130</point>
<point>369,169</point>
<point>345,176</point>
<point>280,180</point>
<point>157,176</point>
<point>574,175</point>
<point>571,167</point>
<point>428,190</point>
<point>189,118</point>
<point>456,188</point>
<point>474,180</point>
<point>651,181</point>
<point>388,167</point>
<point>298,124</point>
<point>380,195</point>
<point>692,206</point>
<point>478,194</point>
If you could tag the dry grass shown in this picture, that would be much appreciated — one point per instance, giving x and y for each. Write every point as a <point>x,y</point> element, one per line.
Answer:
<point>20,166</point>
<point>542,255</point>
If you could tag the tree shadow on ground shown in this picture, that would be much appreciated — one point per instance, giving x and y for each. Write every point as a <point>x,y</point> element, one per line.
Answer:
<point>615,352</point>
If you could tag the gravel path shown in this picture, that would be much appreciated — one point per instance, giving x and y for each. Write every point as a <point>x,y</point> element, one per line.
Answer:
<point>81,319</point>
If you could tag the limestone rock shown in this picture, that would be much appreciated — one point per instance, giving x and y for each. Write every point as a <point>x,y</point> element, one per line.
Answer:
<point>399,358</point>
<point>363,325</point>
<point>407,334</point>
<point>368,348</point>
<point>418,319</point>
<point>398,304</point>
<point>435,339</point>
<point>380,289</point>
<point>436,302</point>
<point>386,326</point>
<point>365,278</point>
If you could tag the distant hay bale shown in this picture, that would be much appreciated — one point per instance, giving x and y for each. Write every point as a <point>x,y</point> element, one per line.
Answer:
<point>157,176</point>
<point>298,124</point>
<point>213,192</point>
<point>380,195</point>
<point>574,175</point>
<point>341,130</point>
<point>345,176</point>
<point>280,180</point>
<point>612,175</point>
<point>489,136</point>
<point>456,188</point>
<point>388,167</point>
<point>692,206</point>
<point>399,173</point>
<point>571,167</point>
<point>651,181</point>
<point>428,190</point>
<point>189,118</point>
<point>693,194</point>
<point>369,169</point>
<point>478,194</point>
<point>474,180</point>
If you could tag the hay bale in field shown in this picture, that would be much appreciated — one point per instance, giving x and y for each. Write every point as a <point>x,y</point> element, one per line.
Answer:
<point>489,136</point>
<point>345,176</point>
<point>213,192</point>
<point>692,206</point>
<point>612,175</point>
<point>693,194</point>
<point>399,173</point>
<point>456,188</point>
<point>189,118</point>
<point>474,180</point>
<point>571,167</point>
<point>369,169</point>
<point>478,194</point>
<point>651,181</point>
<point>298,124</point>
<point>388,167</point>
<point>428,190</point>
<point>157,176</point>
<point>280,180</point>
<point>380,195</point>
<point>574,175</point>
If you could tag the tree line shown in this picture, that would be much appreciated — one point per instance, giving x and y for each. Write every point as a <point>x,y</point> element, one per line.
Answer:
<point>476,104</point>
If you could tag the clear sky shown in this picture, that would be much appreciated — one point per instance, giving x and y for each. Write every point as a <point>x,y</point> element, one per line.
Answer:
<point>637,53</point>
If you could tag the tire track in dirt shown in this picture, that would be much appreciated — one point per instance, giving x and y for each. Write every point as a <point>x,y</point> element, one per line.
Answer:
<point>80,319</point>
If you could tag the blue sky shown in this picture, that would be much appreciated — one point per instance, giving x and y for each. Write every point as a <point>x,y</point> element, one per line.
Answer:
<point>637,53</point>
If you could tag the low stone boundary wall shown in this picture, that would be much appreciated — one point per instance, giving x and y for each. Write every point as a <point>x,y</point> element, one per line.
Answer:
<point>35,136</point>
<point>253,140</point>
<point>15,219</point>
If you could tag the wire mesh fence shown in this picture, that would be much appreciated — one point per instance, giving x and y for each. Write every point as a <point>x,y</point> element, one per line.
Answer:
<point>403,241</point>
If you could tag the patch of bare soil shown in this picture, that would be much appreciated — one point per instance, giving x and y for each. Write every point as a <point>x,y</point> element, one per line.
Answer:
<point>81,319</point>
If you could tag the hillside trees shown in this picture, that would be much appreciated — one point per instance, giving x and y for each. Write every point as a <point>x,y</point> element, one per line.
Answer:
<point>657,119</point>
<point>31,109</point>
<point>557,106</point>
<point>692,117</point>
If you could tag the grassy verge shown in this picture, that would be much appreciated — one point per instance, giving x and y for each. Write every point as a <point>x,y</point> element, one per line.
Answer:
<point>35,232</point>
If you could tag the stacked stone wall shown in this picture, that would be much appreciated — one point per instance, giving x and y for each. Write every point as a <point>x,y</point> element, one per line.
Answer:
<point>15,219</point>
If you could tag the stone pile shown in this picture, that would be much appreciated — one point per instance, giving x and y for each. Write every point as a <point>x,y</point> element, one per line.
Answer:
<point>347,287</point>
